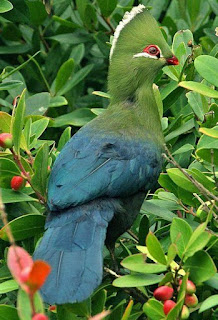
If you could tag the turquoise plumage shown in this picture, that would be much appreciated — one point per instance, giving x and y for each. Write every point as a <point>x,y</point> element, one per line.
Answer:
<point>99,180</point>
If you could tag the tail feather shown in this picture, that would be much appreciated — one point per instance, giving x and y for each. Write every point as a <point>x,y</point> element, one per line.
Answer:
<point>72,245</point>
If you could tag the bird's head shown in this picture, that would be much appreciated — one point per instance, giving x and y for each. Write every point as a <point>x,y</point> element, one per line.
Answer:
<point>138,52</point>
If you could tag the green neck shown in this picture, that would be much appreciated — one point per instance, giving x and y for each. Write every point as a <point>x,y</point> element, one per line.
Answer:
<point>140,112</point>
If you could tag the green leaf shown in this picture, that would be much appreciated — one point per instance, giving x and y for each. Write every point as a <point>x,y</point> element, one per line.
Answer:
<point>180,179</point>
<point>207,66</point>
<point>107,6</point>
<point>66,135</point>
<point>98,301</point>
<point>155,249</point>
<point>101,94</point>
<point>38,103</point>
<point>172,252</point>
<point>205,144</point>
<point>180,233</point>
<point>143,229</point>
<point>64,73</point>
<point>182,129</point>
<point>209,303</point>
<point>5,6</point>
<point>213,282</point>
<point>11,196</point>
<point>149,207</point>
<point>209,132</point>
<point>24,227</point>
<point>201,267</point>
<point>200,88</point>
<point>187,147</point>
<point>18,121</point>
<point>24,307</point>
<point>198,104</point>
<point>137,280</point>
<point>8,313</point>
<point>7,85</point>
<point>128,310</point>
<point>8,286</point>
<point>76,118</point>
<point>39,180</point>
<point>197,241</point>
<point>82,309</point>
<point>38,127</point>
<point>37,12</point>
<point>137,263</point>
<point>154,309</point>
<point>57,101</point>
<point>5,122</point>
<point>8,169</point>
<point>76,78</point>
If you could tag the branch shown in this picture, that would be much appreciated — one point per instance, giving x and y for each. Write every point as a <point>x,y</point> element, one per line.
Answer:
<point>197,184</point>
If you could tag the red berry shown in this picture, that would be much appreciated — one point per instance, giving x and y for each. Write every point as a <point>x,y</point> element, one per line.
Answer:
<point>17,183</point>
<point>39,316</point>
<point>190,286</point>
<point>191,300</point>
<point>6,140</point>
<point>185,313</point>
<point>52,308</point>
<point>163,293</point>
<point>168,305</point>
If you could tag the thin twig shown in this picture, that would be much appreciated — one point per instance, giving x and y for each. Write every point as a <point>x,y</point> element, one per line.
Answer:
<point>132,234</point>
<point>197,184</point>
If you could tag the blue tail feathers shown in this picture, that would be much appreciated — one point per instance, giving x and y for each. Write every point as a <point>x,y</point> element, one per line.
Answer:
<point>72,245</point>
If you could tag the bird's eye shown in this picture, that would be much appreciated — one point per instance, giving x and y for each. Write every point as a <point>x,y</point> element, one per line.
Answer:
<point>152,50</point>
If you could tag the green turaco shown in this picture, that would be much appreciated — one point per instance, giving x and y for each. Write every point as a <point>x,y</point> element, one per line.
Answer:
<point>100,178</point>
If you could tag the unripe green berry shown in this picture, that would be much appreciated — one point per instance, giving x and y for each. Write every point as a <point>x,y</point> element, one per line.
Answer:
<point>185,313</point>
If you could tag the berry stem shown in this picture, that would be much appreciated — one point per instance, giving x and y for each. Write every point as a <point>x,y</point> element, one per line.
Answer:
<point>27,176</point>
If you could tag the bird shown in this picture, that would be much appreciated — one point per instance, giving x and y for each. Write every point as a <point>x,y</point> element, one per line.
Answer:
<point>100,178</point>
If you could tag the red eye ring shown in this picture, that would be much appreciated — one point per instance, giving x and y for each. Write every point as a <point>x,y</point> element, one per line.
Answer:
<point>152,50</point>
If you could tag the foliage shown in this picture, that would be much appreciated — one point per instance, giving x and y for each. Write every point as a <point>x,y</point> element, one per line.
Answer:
<point>53,56</point>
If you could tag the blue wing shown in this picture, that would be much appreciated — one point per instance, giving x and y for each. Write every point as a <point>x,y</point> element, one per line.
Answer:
<point>94,165</point>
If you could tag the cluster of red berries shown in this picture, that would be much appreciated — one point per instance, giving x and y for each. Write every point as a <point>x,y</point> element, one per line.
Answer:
<point>165,294</point>
<point>6,141</point>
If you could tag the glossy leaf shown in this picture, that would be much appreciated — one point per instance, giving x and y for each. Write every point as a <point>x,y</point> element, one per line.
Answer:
<point>39,180</point>
<point>8,312</point>
<point>207,66</point>
<point>155,249</point>
<point>24,227</point>
<point>18,121</point>
<point>200,88</point>
<point>205,271</point>
<point>137,280</point>
<point>180,233</point>
<point>154,309</point>
<point>209,303</point>
<point>137,263</point>
<point>64,73</point>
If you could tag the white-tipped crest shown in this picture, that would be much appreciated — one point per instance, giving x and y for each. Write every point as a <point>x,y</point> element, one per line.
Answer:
<point>128,16</point>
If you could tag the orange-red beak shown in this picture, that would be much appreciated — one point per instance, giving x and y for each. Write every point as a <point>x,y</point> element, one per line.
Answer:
<point>173,61</point>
